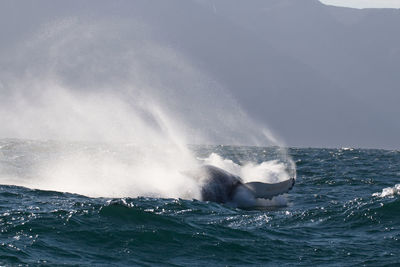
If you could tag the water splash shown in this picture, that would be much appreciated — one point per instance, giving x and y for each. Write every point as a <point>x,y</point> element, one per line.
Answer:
<point>388,191</point>
<point>113,81</point>
<point>272,171</point>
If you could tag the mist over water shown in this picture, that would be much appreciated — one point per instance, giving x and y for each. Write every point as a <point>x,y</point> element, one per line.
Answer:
<point>113,82</point>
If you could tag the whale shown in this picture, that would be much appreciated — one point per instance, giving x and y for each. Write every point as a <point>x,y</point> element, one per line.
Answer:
<point>220,186</point>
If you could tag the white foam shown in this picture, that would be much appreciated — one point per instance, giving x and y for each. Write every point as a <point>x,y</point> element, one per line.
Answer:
<point>347,148</point>
<point>278,201</point>
<point>388,191</point>
<point>271,171</point>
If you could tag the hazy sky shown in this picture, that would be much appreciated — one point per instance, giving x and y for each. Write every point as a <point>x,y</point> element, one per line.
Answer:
<point>314,75</point>
<point>364,3</point>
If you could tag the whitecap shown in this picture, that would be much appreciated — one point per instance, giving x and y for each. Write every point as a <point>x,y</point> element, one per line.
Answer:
<point>388,191</point>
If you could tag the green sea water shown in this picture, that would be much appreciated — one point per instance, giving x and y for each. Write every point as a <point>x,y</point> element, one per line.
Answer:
<point>343,211</point>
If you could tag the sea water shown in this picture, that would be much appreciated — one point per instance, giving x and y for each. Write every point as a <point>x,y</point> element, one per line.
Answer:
<point>343,211</point>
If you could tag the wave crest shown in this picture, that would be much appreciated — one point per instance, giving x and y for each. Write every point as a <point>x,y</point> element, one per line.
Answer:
<point>388,191</point>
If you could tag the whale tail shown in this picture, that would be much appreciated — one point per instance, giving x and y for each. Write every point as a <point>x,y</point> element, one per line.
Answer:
<point>220,186</point>
<point>268,191</point>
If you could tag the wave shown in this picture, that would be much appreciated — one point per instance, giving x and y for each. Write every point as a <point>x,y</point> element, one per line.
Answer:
<point>124,170</point>
<point>388,191</point>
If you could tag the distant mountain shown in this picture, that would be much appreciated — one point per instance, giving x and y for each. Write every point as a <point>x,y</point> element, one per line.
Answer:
<point>318,75</point>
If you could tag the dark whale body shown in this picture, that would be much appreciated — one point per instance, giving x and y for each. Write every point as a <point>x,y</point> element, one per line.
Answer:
<point>221,186</point>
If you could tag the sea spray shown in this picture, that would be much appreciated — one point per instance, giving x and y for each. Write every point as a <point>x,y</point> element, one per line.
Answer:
<point>330,216</point>
<point>388,191</point>
<point>108,85</point>
<point>271,171</point>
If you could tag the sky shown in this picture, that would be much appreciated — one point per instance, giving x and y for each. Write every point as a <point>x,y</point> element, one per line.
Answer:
<point>313,75</point>
<point>364,3</point>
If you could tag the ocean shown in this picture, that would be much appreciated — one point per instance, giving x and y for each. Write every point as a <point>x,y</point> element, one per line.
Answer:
<point>344,210</point>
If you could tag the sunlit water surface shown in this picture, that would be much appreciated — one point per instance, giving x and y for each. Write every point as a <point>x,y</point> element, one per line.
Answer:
<point>344,210</point>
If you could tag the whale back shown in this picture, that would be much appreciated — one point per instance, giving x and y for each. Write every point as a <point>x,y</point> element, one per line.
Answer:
<point>218,185</point>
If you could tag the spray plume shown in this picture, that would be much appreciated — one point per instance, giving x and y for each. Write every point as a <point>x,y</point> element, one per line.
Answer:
<point>79,80</point>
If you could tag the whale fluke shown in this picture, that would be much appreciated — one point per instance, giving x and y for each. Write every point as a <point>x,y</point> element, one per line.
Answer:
<point>221,186</point>
<point>268,191</point>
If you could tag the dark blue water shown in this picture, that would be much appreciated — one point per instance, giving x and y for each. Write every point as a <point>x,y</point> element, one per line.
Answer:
<point>331,218</point>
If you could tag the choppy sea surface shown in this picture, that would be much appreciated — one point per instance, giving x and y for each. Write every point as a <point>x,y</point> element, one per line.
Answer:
<point>343,211</point>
